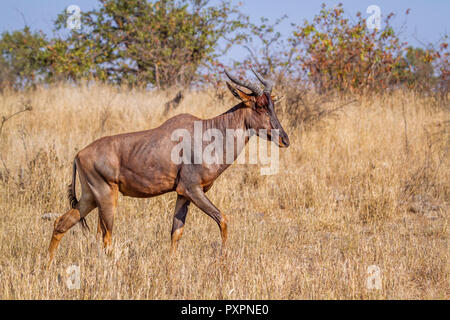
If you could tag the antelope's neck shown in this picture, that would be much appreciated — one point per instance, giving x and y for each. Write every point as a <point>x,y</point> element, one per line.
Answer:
<point>233,126</point>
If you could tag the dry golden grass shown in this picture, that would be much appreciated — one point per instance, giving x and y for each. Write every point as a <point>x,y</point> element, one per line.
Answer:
<point>351,192</point>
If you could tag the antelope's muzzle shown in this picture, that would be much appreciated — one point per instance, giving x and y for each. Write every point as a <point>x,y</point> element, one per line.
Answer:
<point>283,140</point>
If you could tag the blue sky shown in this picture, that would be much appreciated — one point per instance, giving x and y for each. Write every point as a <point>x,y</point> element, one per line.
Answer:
<point>427,22</point>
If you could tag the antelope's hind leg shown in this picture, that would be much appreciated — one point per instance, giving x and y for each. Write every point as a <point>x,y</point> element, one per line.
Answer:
<point>68,220</point>
<point>107,207</point>
<point>99,228</point>
<point>179,218</point>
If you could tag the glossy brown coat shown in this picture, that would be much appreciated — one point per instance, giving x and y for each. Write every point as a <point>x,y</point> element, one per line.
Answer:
<point>139,165</point>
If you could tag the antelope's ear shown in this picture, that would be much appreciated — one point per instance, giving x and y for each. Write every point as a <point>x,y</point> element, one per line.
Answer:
<point>241,95</point>
<point>276,99</point>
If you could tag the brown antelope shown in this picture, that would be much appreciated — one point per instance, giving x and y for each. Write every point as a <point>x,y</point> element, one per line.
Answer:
<point>139,165</point>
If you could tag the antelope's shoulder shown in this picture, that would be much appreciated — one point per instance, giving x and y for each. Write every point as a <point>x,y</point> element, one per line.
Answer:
<point>183,120</point>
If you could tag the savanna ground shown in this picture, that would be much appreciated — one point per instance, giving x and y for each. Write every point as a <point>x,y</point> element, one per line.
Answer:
<point>369,186</point>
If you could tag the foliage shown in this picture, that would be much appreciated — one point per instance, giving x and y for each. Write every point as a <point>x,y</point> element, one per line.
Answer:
<point>166,43</point>
<point>420,68</point>
<point>22,57</point>
<point>346,55</point>
<point>162,43</point>
<point>442,65</point>
<point>268,52</point>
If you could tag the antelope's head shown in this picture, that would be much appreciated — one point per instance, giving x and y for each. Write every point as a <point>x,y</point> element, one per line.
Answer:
<point>260,102</point>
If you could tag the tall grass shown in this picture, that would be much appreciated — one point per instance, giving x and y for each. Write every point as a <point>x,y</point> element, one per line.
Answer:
<point>368,187</point>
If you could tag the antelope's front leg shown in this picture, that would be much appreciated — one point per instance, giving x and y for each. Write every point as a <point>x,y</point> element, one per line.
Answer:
<point>179,218</point>
<point>198,197</point>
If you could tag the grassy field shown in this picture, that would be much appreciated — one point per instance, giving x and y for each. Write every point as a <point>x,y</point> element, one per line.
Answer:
<point>369,187</point>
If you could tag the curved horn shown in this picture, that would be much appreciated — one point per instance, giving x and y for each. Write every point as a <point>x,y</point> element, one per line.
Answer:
<point>250,86</point>
<point>267,84</point>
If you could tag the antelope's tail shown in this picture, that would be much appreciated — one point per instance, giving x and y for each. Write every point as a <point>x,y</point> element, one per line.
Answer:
<point>71,193</point>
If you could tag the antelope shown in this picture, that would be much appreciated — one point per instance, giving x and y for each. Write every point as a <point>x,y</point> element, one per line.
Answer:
<point>139,165</point>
